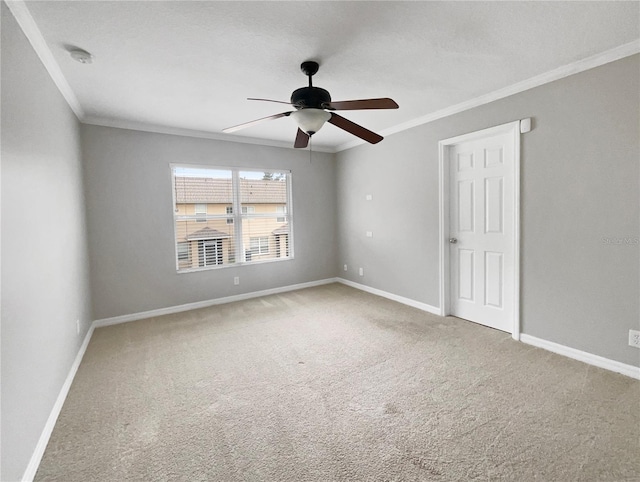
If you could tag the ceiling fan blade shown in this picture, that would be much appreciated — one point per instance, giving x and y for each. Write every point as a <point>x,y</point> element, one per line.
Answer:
<point>354,129</point>
<point>384,103</point>
<point>302,139</point>
<point>270,100</point>
<point>257,121</point>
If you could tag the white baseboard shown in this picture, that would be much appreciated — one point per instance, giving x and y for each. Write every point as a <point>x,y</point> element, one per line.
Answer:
<point>204,304</point>
<point>583,356</point>
<point>391,296</point>
<point>36,457</point>
<point>38,452</point>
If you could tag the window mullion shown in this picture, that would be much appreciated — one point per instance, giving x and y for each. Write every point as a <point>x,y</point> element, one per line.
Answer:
<point>289,216</point>
<point>237,215</point>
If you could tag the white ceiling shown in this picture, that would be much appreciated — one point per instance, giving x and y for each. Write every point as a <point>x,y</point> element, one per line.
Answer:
<point>187,65</point>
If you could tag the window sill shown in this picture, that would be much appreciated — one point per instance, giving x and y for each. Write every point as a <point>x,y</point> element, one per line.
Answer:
<point>233,265</point>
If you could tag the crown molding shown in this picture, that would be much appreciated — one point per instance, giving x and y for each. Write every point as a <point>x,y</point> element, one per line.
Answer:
<point>617,53</point>
<point>178,131</point>
<point>32,32</point>
<point>27,24</point>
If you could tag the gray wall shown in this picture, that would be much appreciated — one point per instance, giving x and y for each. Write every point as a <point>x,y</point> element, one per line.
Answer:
<point>45,285</point>
<point>130,219</point>
<point>580,185</point>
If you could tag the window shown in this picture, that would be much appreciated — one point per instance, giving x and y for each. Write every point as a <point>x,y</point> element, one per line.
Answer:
<point>260,245</point>
<point>245,210</point>
<point>226,217</point>
<point>183,251</point>
<point>201,213</point>
<point>209,252</point>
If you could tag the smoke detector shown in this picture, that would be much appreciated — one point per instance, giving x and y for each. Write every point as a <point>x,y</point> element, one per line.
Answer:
<point>81,56</point>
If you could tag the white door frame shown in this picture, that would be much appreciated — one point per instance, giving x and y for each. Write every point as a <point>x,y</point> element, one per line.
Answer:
<point>512,128</point>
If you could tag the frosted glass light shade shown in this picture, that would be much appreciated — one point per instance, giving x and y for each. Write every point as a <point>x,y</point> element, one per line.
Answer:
<point>311,120</point>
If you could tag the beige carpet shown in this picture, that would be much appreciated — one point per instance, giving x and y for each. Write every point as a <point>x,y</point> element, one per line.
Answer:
<point>333,384</point>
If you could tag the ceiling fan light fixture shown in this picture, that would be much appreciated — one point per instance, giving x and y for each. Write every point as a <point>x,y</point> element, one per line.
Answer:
<point>311,120</point>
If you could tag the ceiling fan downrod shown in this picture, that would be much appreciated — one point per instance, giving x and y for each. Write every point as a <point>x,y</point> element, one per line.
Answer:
<point>309,68</point>
<point>310,97</point>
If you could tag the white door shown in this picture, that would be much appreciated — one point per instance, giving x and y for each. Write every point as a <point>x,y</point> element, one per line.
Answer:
<point>482,229</point>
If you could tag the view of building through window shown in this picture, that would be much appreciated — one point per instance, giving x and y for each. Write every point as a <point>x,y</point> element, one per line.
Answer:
<point>230,216</point>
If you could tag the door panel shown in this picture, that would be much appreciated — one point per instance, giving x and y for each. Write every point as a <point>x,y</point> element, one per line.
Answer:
<point>465,161</point>
<point>493,283</point>
<point>492,156</point>
<point>493,205</point>
<point>466,275</point>
<point>466,206</point>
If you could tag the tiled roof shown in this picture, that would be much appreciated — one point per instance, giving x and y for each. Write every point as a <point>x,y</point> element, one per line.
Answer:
<point>208,233</point>
<point>284,229</point>
<point>213,191</point>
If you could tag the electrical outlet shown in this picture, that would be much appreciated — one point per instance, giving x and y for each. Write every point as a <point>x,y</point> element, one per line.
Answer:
<point>77,327</point>
<point>369,197</point>
<point>634,338</point>
<point>345,267</point>
<point>369,234</point>
<point>361,272</point>
<point>236,280</point>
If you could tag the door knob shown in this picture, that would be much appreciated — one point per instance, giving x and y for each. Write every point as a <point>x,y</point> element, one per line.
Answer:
<point>453,240</point>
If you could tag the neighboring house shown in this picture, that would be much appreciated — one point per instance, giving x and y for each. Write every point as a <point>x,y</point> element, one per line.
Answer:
<point>205,222</point>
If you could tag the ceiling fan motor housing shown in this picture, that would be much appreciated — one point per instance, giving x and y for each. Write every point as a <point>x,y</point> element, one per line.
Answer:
<point>310,97</point>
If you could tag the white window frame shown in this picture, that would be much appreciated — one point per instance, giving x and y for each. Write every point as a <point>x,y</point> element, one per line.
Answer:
<point>240,251</point>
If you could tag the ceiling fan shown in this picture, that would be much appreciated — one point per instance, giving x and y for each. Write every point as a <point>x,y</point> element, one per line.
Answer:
<point>314,107</point>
